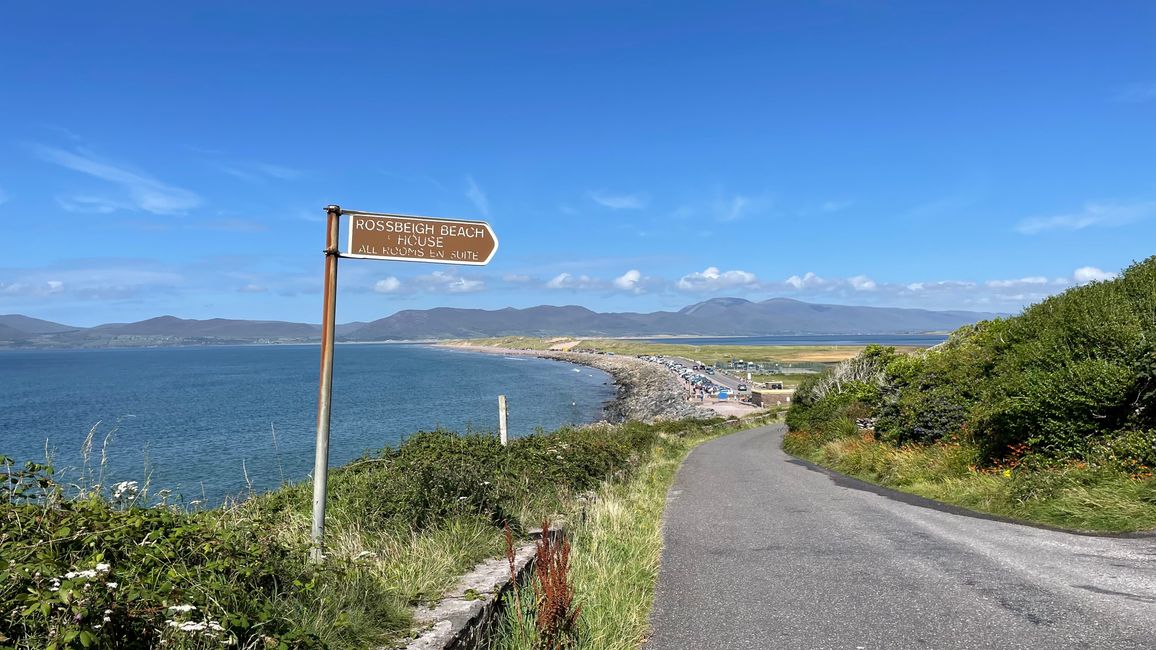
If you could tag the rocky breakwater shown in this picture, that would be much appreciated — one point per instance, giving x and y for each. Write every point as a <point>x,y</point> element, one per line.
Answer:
<point>646,391</point>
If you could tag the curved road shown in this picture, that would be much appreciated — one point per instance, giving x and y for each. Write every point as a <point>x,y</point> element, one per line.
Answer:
<point>764,551</point>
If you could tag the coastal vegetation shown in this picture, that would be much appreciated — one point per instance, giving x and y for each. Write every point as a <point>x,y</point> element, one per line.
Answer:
<point>1049,416</point>
<point>89,565</point>
<point>616,538</point>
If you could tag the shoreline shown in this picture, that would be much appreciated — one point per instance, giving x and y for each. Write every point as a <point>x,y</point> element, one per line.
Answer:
<point>645,392</point>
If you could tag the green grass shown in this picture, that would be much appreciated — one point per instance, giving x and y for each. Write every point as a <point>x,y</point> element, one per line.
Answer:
<point>1078,496</point>
<point>789,381</point>
<point>616,548</point>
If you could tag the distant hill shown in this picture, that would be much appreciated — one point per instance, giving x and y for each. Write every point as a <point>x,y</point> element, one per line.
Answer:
<point>12,334</point>
<point>213,328</point>
<point>714,317</point>
<point>30,325</point>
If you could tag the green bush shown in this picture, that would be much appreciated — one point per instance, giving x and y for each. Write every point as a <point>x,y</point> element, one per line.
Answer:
<point>1067,379</point>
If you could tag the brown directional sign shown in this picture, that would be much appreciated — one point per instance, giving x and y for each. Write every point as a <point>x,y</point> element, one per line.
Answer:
<point>419,239</point>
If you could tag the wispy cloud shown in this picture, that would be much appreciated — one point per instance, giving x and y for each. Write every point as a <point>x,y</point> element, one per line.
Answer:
<point>739,206</point>
<point>1093,215</point>
<point>616,201</point>
<point>258,172</point>
<point>732,209</point>
<point>140,191</point>
<point>475,194</point>
<point>87,281</point>
<point>835,206</point>
<point>1135,93</point>
<point>449,282</point>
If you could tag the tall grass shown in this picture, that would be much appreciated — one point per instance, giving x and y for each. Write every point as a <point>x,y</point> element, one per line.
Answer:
<point>616,547</point>
<point>1076,495</point>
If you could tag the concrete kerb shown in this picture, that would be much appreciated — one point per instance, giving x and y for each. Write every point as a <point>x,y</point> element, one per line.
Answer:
<point>466,615</point>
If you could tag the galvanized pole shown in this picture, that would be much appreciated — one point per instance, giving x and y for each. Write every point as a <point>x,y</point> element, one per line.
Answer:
<point>325,391</point>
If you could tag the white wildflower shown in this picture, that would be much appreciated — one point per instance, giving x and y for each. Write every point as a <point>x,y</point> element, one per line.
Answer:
<point>182,608</point>
<point>126,489</point>
<point>87,574</point>
<point>101,567</point>
<point>112,585</point>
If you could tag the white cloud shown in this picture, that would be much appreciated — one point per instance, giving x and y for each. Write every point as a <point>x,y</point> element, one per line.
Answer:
<point>475,194</point>
<point>712,279</point>
<point>1093,214</point>
<point>807,281</point>
<point>388,285</point>
<point>629,281</point>
<point>1136,93</point>
<point>862,283</point>
<point>252,288</point>
<point>618,201</point>
<point>568,281</point>
<point>517,278</point>
<point>142,191</point>
<point>1086,274</point>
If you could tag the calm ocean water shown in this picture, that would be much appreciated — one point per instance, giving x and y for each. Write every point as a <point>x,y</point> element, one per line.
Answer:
<point>919,340</point>
<point>205,416</point>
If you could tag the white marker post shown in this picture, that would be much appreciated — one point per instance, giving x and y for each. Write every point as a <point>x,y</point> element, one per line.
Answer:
<point>502,420</point>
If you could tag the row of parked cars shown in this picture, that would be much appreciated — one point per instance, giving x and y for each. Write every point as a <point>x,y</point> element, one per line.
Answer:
<point>696,376</point>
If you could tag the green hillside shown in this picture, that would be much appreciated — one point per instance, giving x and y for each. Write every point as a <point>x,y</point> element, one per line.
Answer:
<point>1067,386</point>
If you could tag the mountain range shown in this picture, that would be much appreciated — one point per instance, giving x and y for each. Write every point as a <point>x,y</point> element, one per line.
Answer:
<point>714,317</point>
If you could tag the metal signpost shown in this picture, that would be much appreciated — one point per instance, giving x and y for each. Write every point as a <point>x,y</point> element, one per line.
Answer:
<point>379,236</point>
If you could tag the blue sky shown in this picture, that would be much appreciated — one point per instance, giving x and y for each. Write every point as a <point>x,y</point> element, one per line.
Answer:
<point>163,159</point>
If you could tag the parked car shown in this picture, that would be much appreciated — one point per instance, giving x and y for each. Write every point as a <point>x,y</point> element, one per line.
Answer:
<point>742,387</point>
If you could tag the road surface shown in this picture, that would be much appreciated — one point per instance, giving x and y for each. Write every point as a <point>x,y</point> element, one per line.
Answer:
<point>763,551</point>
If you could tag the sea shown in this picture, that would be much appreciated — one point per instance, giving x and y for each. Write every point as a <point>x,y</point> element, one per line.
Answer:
<point>916,340</point>
<point>214,422</point>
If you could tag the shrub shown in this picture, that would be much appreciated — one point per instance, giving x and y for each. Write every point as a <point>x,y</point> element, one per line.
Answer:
<point>1067,374</point>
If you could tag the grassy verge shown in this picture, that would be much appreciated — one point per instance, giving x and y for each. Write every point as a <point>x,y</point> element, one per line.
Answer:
<point>110,567</point>
<point>616,547</point>
<point>1082,496</point>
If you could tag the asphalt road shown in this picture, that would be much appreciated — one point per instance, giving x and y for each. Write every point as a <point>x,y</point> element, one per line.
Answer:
<point>763,551</point>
